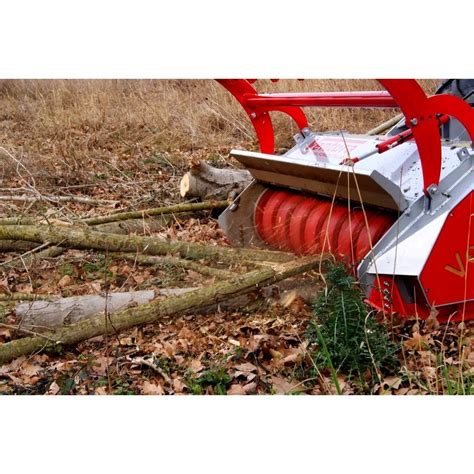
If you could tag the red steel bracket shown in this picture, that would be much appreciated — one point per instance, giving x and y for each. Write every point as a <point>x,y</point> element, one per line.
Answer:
<point>422,113</point>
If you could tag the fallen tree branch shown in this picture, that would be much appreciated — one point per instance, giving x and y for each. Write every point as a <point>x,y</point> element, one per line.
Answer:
<point>152,365</point>
<point>17,221</point>
<point>16,246</point>
<point>153,312</point>
<point>89,239</point>
<point>16,296</point>
<point>67,311</point>
<point>58,199</point>
<point>137,226</point>
<point>45,311</point>
<point>185,207</point>
<point>31,258</point>
<point>175,262</point>
<point>124,228</point>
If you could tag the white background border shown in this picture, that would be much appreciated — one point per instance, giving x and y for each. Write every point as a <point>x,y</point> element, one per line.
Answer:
<point>203,39</point>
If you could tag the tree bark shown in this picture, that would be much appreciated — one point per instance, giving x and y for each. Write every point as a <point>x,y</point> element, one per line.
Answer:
<point>175,262</point>
<point>137,226</point>
<point>184,207</point>
<point>58,199</point>
<point>66,311</point>
<point>153,312</point>
<point>16,246</point>
<point>206,182</point>
<point>89,239</point>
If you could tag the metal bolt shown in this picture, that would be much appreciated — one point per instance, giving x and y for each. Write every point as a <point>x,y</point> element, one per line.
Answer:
<point>433,189</point>
<point>253,115</point>
<point>414,121</point>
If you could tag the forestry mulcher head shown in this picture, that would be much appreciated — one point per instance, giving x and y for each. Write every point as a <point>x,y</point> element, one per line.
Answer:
<point>397,208</point>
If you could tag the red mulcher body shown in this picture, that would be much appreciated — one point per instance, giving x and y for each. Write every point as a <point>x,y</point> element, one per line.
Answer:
<point>397,207</point>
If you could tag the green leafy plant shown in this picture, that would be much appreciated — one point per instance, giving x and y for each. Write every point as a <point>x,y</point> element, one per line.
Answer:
<point>344,337</point>
<point>66,269</point>
<point>217,378</point>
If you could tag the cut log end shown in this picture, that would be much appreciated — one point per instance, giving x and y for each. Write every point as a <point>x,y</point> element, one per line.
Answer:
<point>184,185</point>
<point>206,182</point>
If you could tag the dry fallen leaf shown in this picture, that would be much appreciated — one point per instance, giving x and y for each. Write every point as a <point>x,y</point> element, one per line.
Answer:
<point>282,386</point>
<point>66,280</point>
<point>402,391</point>
<point>392,382</point>
<point>100,365</point>
<point>429,372</point>
<point>30,369</point>
<point>178,385</point>
<point>139,279</point>
<point>246,368</point>
<point>250,388</point>
<point>53,389</point>
<point>186,333</point>
<point>152,389</point>
<point>169,349</point>
<point>417,342</point>
<point>196,366</point>
<point>5,332</point>
<point>236,389</point>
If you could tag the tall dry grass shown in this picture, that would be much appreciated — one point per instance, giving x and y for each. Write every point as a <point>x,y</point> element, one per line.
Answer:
<point>62,129</point>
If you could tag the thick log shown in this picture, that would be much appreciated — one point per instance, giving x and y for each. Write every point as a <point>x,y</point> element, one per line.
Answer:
<point>44,311</point>
<point>89,239</point>
<point>67,311</point>
<point>206,182</point>
<point>155,311</point>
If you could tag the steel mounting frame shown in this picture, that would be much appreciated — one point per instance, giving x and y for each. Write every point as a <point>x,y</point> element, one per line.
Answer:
<point>422,114</point>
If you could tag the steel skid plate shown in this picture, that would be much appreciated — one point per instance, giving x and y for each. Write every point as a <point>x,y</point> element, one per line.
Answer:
<point>238,220</point>
<point>328,179</point>
<point>430,247</point>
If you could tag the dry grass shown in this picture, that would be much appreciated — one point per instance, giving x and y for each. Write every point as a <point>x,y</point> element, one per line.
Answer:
<point>65,129</point>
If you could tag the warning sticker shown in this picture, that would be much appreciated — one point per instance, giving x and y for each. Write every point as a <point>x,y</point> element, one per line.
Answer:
<point>325,147</point>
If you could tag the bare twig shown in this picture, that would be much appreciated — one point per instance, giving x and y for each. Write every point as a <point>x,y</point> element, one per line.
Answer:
<point>57,199</point>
